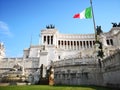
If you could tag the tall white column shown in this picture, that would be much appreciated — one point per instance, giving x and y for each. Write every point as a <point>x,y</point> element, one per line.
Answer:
<point>70,44</point>
<point>79,45</point>
<point>63,44</point>
<point>66,44</point>
<point>92,44</point>
<point>60,43</point>
<point>76,45</point>
<point>85,44</point>
<point>46,40</point>
<point>89,44</point>
<point>49,40</point>
<point>73,45</point>
<point>110,42</point>
<point>82,44</point>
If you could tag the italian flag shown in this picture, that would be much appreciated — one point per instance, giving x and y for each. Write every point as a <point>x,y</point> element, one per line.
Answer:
<point>85,14</point>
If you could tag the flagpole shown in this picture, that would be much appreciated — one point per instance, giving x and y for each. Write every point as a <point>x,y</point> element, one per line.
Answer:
<point>94,21</point>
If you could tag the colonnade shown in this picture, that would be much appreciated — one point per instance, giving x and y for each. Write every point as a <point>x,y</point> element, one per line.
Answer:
<point>75,45</point>
<point>72,44</point>
<point>48,39</point>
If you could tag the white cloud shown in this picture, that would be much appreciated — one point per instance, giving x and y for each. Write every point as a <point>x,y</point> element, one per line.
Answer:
<point>4,29</point>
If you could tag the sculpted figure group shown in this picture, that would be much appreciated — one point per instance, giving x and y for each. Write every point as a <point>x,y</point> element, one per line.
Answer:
<point>115,24</point>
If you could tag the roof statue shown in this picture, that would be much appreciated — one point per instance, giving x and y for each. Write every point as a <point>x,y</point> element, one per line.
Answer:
<point>50,26</point>
<point>99,30</point>
<point>116,25</point>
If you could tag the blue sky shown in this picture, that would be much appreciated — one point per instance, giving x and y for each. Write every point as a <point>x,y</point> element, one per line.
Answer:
<point>21,19</point>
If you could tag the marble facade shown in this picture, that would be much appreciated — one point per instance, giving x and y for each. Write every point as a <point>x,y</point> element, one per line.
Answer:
<point>71,54</point>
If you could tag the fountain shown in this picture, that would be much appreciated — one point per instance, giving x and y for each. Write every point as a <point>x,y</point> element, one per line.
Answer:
<point>14,75</point>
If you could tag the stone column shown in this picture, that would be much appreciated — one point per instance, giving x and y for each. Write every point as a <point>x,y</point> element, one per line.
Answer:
<point>85,44</point>
<point>63,44</point>
<point>92,44</point>
<point>89,44</point>
<point>50,40</point>
<point>70,45</point>
<point>47,40</point>
<point>60,44</point>
<point>79,45</point>
<point>66,44</point>
<point>110,42</point>
<point>76,45</point>
<point>73,45</point>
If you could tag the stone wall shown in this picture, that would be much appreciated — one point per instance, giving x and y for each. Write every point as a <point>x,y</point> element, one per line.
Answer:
<point>79,78</point>
<point>78,72</point>
<point>111,73</point>
<point>89,73</point>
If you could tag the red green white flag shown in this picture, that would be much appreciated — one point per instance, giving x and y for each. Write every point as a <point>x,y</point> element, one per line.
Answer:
<point>85,14</point>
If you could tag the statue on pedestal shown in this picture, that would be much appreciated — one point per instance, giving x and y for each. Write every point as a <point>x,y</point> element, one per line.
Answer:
<point>99,30</point>
<point>18,67</point>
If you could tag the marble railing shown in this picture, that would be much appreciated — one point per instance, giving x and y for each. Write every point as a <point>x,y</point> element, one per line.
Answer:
<point>27,62</point>
<point>75,61</point>
<point>19,59</point>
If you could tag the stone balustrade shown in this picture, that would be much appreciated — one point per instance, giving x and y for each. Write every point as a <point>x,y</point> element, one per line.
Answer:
<point>75,61</point>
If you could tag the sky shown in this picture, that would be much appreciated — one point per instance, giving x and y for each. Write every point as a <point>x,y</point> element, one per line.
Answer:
<point>22,19</point>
